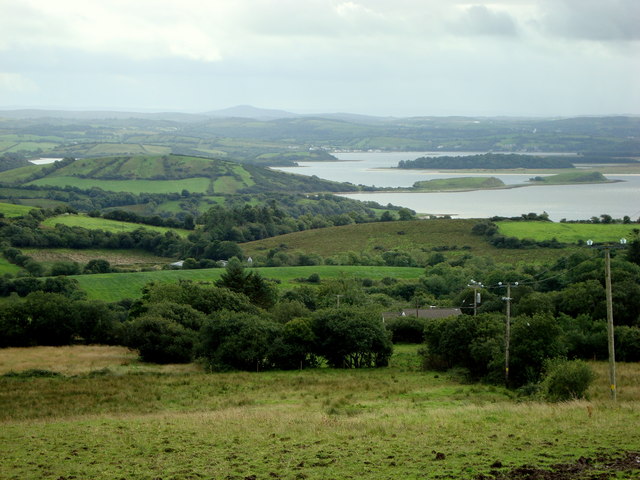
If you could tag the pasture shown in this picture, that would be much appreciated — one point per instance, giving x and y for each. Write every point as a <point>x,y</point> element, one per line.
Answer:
<point>112,287</point>
<point>11,210</point>
<point>97,223</point>
<point>568,232</point>
<point>396,422</point>
<point>197,184</point>
<point>119,258</point>
<point>454,237</point>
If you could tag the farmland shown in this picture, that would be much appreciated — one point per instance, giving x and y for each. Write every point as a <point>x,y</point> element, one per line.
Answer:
<point>567,232</point>
<point>10,210</point>
<point>418,236</point>
<point>97,223</point>
<point>111,420</point>
<point>112,287</point>
<point>134,186</point>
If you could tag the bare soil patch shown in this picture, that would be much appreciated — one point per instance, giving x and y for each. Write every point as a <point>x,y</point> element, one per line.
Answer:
<point>603,467</point>
<point>119,258</point>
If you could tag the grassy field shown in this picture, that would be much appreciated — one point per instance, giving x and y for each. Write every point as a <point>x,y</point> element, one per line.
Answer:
<point>134,186</point>
<point>114,257</point>
<point>112,287</point>
<point>11,210</point>
<point>397,422</point>
<point>415,236</point>
<point>567,232</point>
<point>97,223</point>
<point>6,267</point>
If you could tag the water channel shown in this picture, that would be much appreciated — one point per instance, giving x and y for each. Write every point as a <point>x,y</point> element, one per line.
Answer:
<point>571,202</point>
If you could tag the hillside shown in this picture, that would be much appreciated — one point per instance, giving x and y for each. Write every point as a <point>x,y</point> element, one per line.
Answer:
<point>421,238</point>
<point>158,174</point>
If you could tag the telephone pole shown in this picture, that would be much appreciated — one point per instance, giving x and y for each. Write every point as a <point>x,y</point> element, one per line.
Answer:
<point>476,296</point>
<point>610,327</point>
<point>507,333</point>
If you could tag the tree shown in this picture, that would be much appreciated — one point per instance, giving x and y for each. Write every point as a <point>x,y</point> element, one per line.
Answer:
<point>161,340</point>
<point>243,341</point>
<point>261,292</point>
<point>97,265</point>
<point>351,337</point>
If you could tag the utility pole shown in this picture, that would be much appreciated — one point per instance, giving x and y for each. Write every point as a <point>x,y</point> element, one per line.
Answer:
<point>475,285</point>
<point>338,300</point>
<point>507,333</point>
<point>610,327</point>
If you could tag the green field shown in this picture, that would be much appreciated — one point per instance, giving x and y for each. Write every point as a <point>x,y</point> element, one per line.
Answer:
<point>112,287</point>
<point>123,421</point>
<point>97,223</point>
<point>567,232</point>
<point>18,175</point>
<point>11,210</point>
<point>198,184</point>
<point>6,267</point>
<point>419,237</point>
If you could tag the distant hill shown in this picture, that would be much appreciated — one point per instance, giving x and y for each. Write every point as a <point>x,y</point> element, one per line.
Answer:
<point>168,173</point>
<point>248,111</point>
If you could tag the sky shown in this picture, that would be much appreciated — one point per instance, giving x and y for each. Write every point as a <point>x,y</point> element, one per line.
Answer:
<point>374,57</point>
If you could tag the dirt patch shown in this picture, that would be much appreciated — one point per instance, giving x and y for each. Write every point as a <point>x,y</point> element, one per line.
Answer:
<point>602,467</point>
<point>119,258</point>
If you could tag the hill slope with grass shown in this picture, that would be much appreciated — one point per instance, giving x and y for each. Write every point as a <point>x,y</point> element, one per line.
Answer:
<point>158,174</point>
<point>421,238</point>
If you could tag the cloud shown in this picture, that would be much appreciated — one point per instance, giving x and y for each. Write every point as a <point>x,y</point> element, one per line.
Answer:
<point>480,20</point>
<point>139,30</point>
<point>16,83</point>
<point>595,20</point>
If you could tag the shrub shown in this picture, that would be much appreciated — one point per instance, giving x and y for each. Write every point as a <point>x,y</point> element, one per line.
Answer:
<point>243,341</point>
<point>406,329</point>
<point>161,340</point>
<point>351,337</point>
<point>566,379</point>
<point>627,343</point>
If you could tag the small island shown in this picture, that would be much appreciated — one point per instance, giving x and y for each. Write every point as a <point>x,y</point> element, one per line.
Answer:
<point>569,178</point>
<point>457,184</point>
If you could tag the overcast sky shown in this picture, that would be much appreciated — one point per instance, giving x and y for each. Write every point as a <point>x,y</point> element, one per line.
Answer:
<point>378,57</point>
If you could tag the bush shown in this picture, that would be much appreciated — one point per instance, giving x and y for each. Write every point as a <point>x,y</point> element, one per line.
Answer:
<point>627,343</point>
<point>406,329</point>
<point>160,340</point>
<point>566,379</point>
<point>351,337</point>
<point>243,341</point>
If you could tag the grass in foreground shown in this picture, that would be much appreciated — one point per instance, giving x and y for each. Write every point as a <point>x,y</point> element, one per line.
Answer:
<point>384,423</point>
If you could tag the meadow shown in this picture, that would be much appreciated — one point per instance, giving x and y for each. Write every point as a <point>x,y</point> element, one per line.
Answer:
<point>112,287</point>
<point>455,237</point>
<point>98,223</point>
<point>199,184</point>
<point>115,419</point>
<point>11,210</point>
<point>568,232</point>
<point>118,258</point>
